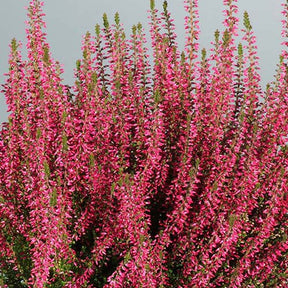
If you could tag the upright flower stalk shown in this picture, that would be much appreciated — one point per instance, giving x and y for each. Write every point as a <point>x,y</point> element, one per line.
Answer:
<point>163,171</point>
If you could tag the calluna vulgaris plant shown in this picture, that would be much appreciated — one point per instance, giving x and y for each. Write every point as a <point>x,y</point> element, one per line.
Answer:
<point>169,171</point>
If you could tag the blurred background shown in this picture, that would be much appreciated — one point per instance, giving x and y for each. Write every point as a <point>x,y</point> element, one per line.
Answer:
<point>68,20</point>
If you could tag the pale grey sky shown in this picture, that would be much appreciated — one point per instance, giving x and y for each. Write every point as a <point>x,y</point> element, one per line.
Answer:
<point>68,20</point>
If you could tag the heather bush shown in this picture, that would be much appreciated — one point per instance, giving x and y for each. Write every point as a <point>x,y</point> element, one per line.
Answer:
<point>163,170</point>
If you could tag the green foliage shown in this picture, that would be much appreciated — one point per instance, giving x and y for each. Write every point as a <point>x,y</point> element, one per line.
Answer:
<point>46,57</point>
<point>117,18</point>
<point>97,30</point>
<point>147,178</point>
<point>203,53</point>
<point>53,197</point>
<point>240,50</point>
<point>78,65</point>
<point>216,36</point>
<point>14,45</point>
<point>246,21</point>
<point>165,5</point>
<point>105,21</point>
<point>226,38</point>
<point>152,4</point>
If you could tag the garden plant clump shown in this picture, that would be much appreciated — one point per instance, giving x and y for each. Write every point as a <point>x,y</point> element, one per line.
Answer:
<point>163,170</point>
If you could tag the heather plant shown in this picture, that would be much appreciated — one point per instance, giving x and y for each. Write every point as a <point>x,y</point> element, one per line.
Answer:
<point>162,170</point>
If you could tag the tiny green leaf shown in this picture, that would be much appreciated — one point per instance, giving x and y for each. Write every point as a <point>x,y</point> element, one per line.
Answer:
<point>240,50</point>
<point>38,133</point>
<point>64,142</point>
<point>46,169</point>
<point>183,58</point>
<point>226,37</point>
<point>204,53</point>
<point>157,97</point>
<point>53,197</point>
<point>113,188</point>
<point>64,116</point>
<point>232,219</point>
<point>14,45</point>
<point>97,30</point>
<point>247,23</point>
<point>117,18</point>
<point>85,54</point>
<point>46,55</point>
<point>139,26</point>
<point>165,4</point>
<point>91,160</point>
<point>127,257</point>
<point>217,34</point>
<point>94,77</point>
<point>134,29</point>
<point>78,65</point>
<point>105,21</point>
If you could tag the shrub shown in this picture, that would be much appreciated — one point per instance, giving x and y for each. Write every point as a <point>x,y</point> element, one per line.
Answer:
<point>163,172</point>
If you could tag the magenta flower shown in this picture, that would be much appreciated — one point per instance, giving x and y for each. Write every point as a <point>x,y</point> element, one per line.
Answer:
<point>168,171</point>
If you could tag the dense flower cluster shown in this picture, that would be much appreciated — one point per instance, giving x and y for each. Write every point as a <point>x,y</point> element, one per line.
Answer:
<point>163,171</point>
